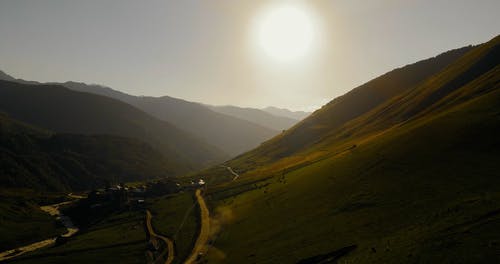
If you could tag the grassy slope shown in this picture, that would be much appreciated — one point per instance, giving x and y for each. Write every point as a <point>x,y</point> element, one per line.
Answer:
<point>168,214</point>
<point>65,111</point>
<point>433,199</point>
<point>120,238</point>
<point>422,190</point>
<point>343,109</point>
<point>287,147</point>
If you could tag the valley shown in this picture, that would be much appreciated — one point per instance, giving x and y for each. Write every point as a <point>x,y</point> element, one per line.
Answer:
<point>388,150</point>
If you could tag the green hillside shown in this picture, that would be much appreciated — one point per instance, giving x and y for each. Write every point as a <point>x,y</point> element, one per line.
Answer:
<point>341,110</point>
<point>119,238</point>
<point>65,111</point>
<point>410,179</point>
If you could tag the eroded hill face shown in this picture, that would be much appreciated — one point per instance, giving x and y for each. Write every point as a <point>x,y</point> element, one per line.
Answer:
<point>411,179</point>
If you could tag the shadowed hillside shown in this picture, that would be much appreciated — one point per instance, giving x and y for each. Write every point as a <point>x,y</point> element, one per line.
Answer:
<point>40,160</point>
<point>412,180</point>
<point>231,135</point>
<point>62,110</point>
<point>243,128</point>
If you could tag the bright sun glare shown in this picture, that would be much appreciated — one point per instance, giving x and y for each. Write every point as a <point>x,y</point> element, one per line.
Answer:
<point>284,33</point>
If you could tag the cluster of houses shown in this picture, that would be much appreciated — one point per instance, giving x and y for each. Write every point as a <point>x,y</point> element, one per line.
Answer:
<point>118,195</point>
<point>199,183</point>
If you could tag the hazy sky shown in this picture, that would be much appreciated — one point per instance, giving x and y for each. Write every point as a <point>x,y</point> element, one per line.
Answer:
<point>204,50</point>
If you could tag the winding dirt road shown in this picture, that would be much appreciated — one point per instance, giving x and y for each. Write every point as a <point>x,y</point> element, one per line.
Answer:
<point>201,245</point>
<point>236,175</point>
<point>170,245</point>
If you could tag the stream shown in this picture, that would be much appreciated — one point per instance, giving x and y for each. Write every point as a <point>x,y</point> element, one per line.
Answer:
<point>53,210</point>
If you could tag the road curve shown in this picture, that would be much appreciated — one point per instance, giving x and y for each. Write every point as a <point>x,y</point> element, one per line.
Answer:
<point>236,175</point>
<point>200,247</point>
<point>168,242</point>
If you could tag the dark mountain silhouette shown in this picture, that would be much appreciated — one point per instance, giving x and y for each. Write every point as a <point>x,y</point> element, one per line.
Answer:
<point>65,111</point>
<point>44,161</point>
<point>4,76</point>
<point>256,116</point>
<point>229,133</point>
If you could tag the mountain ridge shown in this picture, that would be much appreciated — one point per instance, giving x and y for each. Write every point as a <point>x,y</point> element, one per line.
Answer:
<point>297,115</point>
<point>63,110</point>
<point>256,116</point>
<point>239,134</point>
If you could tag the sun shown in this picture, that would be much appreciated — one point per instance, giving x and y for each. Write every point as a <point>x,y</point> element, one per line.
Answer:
<point>284,33</point>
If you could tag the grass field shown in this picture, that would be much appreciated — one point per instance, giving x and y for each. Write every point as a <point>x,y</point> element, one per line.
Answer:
<point>426,191</point>
<point>175,216</point>
<point>120,238</point>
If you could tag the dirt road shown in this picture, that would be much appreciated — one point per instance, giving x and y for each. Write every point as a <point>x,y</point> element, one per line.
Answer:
<point>170,245</point>
<point>236,175</point>
<point>201,245</point>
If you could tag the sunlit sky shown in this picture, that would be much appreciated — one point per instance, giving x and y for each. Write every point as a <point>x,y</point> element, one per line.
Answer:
<point>226,52</point>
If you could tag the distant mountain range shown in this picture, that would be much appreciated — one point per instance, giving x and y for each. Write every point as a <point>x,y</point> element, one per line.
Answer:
<point>257,116</point>
<point>62,110</point>
<point>297,115</point>
<point>231,129</point>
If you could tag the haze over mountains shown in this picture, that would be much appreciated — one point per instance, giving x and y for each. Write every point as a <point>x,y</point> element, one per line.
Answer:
<point>62,110</point>
<point>257,116</point>
<point>297,115</point>
<point>231,129</point>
